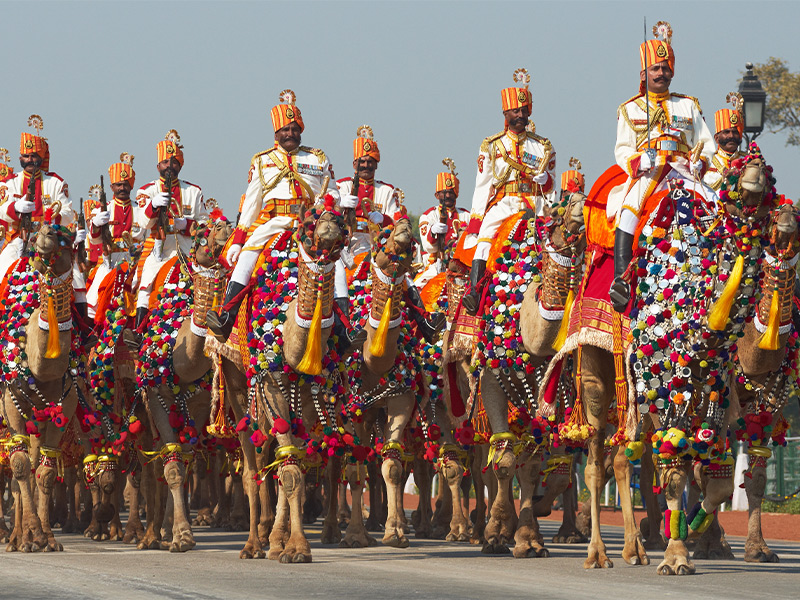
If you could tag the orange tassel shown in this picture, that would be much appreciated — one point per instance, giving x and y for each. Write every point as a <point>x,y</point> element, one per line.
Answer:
<point>769,341</point>
<point>718,316</point>
<point>378,345</point>
<point>53,343</point>
<point>562,331</point>
<point>312,359</point>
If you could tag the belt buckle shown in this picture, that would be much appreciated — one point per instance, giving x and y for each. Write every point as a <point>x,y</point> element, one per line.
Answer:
<point>525,187</point>
<point>669,145</point>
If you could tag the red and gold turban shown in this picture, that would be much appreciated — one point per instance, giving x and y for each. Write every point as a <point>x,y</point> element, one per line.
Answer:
<point>727,118</point>
<point>447,180</point>
<point>656,51</point>
<point>286,112</point>
<point>33,144</point>
<point>365,144</point>
<point>572,179</point>
<point>123,170</point>
<point>170,147</point>
<point>517,97</point>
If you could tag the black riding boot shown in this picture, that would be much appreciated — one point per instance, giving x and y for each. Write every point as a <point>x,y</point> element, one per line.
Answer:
<point>472,301</point>
<point>221,322</point>
<point>346,337</point>
<point>429,324</point>
<point>620,292</point>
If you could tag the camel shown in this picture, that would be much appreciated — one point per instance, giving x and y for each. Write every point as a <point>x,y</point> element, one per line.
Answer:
<point>279,389</point>
<point>180,399</point>
<point>761,383</point>
<point>39,395</point>
<point>698,355</point>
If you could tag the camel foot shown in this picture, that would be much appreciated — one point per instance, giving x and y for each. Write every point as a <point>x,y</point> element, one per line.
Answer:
<point>70,525</point>
<point>252,550</point>
<point>203,518</point>
<point>569,535</point>
<point>92,531</point>
<point>296,552</point>
<point>373,523</point>
<point>635,554</point>
<point>395,540</point>
<point>760,554</point>
<point>495,546</point>
<point>237,523</point>
<point>183,541</point>
<point>331,534</point>
<point>460,532</point>
<point>133,533</point>
<point>358,540</point>
<point>676,560</point>
<point>149,542</point>
<point>300,557</point>
<point>597,559</point>
<point>52,545</point>
<point>530,550</point>
<point>714,548</point>
<point>423,531</point>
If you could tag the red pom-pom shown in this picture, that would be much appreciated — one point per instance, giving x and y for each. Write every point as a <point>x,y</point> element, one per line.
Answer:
<point>31,428</point>
<point>136,427</point>
<point>280,426</point>
<point>361,453</point>
<point>434,432</point>
<point>243,424</point>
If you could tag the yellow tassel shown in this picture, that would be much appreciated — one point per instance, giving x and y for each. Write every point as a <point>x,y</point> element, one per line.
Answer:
<point>53,343</point>
<point>769,341</point>
<point>562,331</point>
<point>718,317</point>
<point>312,359</point>
<point>378,345</point>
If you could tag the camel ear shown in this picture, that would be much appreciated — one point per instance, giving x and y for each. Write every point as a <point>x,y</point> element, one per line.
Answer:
<point>193,228</point>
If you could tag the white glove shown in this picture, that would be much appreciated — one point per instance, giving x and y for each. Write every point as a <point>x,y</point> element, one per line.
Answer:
<point>233,253</point>
<point>376,217</point>
<point>100,218</point>
<point>541,178</point>
<point>697,168</point>
<point>439,228</point>
<point>348,201</point>
<point>80,236</point>
<point>179,223</point>
<point>645,164</point>
<point>22,206</point>
<point>160,200</point>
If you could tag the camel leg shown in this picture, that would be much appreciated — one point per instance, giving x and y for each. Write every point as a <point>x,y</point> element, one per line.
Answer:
<point>5,533</point>
<point>296,549</point>
<point>356,535</point>
<point>569,533</point>
<point>115,526</point>
<point>331,534</point>
<point>443,512</point>
<point>175,476</point>
<point>280,530</point>
<point>676,556</point>
<point>134,531</point>
<point>27,535</point>
<point>73,498</point>
<point>650,526</point>
<point>45,478</point>
<point>399,411</point>
<point>478,477</point>
<point>527,538</point>
<point>633,551</point>
<point>452,473</point>
<point>153,501</point>
<point>266,513</point>
<point>343,511</point>
<point>94,530</point>
<point>377,497</point>
<point>711,544</point>
<point>423,478</point>
<point>597,389</point>
<point>252,548</point>
<point>755,548</point>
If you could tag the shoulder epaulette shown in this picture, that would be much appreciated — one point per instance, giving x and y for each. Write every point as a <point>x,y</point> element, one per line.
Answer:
<point>536,137</point>
<point>631,99</point>
<point>55,175</point>
<point>191,184</point>
<point>384,183</point>
<point>343,179</point>
<point>146,185</point>
<point>316,152</point>
<point>432,208</point>
<point>692,98</point>
<point>490,139</point>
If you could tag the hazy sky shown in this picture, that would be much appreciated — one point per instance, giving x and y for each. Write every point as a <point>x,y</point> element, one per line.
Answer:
<point>109,77</point>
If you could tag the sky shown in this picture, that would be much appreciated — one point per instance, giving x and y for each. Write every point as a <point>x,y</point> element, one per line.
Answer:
<point>109,77</point>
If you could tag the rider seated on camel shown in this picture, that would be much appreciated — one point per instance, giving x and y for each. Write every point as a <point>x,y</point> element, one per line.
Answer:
<point>660,136</point>
<point>515,174</point>
<point>729,124</point>
<point>283,181</point>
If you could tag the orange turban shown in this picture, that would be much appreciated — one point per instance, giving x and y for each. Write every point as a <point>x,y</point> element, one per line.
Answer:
<point>170,147</point>
<point>366,146</point>
<point>656,51</point>
<point>728,118</point>
<point>516,97</point>
<point>572,181</point>
<point>286,112</point>
<point>123,170</point>
<point>448,179</point>
<point>33,144</point>
<point>5,170</point>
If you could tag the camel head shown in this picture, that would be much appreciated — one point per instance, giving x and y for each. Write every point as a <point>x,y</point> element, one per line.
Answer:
<point>323,232</point>
<point>783,230</point>
<point>210,238</point>
<point>748,186</point>
<point>395,246</point>
<point>569,226</point>
<point>53,245</point>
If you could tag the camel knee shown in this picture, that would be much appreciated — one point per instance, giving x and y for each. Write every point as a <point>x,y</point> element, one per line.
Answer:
<point>20,465</point>
<point>174,474</point>
<point>392,471</point>
<point>45,479</point>
<point>594,393</point>
<point>453,472</point>
<point>291,480</point>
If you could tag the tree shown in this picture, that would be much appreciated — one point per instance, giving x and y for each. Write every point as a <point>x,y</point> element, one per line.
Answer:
<point>782,111</point>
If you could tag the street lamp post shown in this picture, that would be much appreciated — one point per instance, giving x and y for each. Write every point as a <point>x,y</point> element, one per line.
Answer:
<point>754,98</point>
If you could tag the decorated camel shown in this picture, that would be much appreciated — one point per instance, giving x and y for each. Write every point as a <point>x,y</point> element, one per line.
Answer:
<point>174,374</point>
<point>40,356</point>
<point>279,372</point>
<point>684,321</point>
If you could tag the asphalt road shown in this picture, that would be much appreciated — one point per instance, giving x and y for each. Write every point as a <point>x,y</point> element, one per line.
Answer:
<point>428,569</point>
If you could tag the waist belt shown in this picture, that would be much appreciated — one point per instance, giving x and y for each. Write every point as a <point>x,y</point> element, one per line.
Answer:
<point>277,207</point>
<point>669,146</point>
<point>517,188</point>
